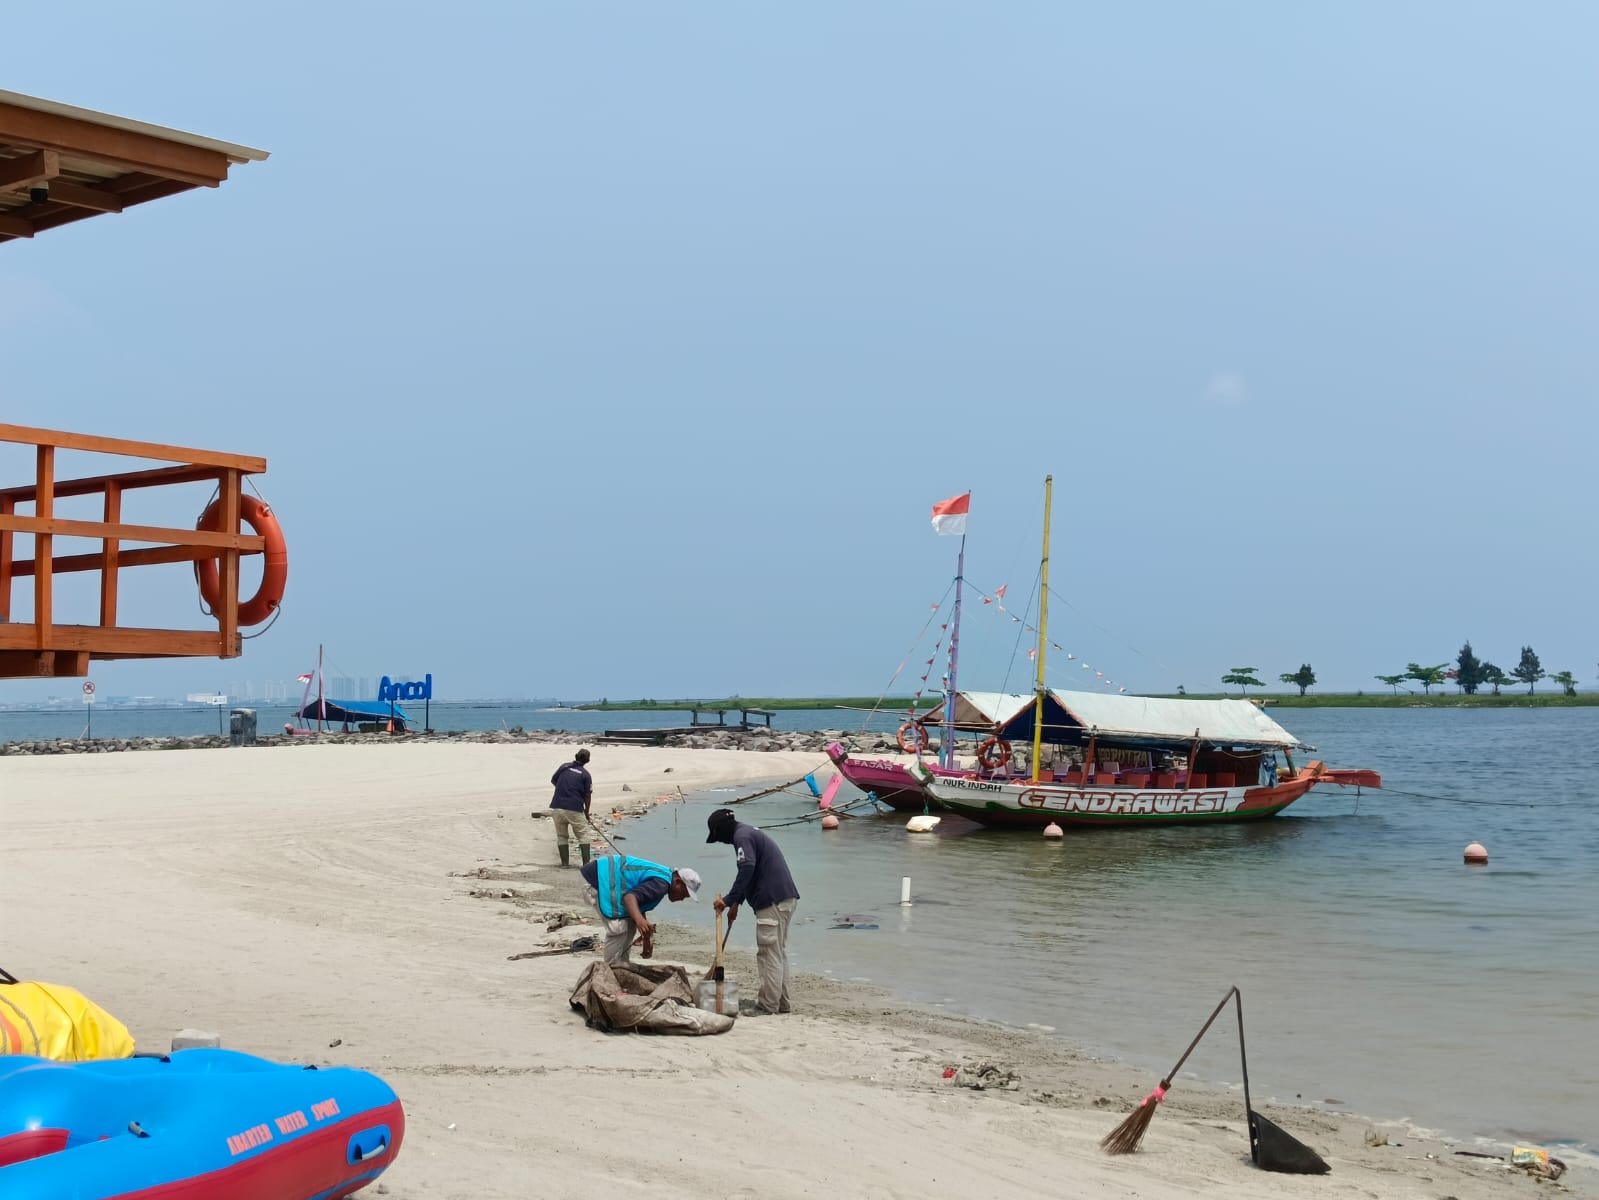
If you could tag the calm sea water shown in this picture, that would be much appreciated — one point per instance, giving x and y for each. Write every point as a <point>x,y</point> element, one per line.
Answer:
<point>1377,970</point>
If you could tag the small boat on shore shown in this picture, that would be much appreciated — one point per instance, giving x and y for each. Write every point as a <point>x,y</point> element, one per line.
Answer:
<point>197,1123</point>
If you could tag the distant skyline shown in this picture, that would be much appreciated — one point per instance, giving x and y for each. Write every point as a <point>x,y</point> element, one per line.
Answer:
<point>623,352</point>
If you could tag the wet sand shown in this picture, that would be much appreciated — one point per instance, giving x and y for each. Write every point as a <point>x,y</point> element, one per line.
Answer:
<point>287,898</point>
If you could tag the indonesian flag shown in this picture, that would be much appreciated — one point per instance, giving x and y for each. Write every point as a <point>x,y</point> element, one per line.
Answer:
<point>949,516</point>
<point>999,592</point>
<point>302,679</point>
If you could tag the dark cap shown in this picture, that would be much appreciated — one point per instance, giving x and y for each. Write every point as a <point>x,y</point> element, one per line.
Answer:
<point>720,823</point>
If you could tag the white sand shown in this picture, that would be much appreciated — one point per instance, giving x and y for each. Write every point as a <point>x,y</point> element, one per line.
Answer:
<point>289,897</point>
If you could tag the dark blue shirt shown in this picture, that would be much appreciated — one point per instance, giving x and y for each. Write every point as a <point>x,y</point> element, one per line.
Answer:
<point>572,787</point>
<point>763,877</point>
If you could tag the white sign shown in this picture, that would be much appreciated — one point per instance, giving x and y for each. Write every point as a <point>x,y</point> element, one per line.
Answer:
<point>88,692</point>
<point>216,698</point>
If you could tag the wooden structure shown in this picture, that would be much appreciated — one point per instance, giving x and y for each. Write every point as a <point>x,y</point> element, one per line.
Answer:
<point>60,164</point>
<point>42,647</point>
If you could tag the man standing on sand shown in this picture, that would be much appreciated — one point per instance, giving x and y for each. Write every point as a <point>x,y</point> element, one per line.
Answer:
<point>764,880</point>
<point>574,794</point>
<point>624,889</point>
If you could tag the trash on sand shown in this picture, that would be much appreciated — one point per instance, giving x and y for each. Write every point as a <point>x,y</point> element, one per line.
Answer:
<point>1373,1138</point>
<point>562,920</point>
<point>982,1076</point>
<point>576,945</point>
<point>1536,1162</point>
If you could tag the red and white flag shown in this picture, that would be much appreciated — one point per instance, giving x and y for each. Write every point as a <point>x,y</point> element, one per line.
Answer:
<point>302,679</point>
<point>999,592</point>
<point>949,516</point>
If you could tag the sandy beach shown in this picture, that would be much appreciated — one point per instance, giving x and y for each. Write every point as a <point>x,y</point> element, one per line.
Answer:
<point>371,896</point>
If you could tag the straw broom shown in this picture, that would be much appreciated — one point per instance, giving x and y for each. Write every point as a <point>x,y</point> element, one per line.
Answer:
<point>1124,1139</point>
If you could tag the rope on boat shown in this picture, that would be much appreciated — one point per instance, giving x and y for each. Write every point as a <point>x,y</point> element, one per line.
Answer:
<point>820,813</point>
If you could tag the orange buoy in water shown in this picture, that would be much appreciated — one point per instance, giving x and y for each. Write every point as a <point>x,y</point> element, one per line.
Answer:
<point>829,822</point>
<point>1477,854</point>
<point>1053,830</point>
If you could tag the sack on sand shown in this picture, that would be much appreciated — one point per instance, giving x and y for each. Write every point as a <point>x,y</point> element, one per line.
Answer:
<point>647,997</point>
<point>47,1020</point>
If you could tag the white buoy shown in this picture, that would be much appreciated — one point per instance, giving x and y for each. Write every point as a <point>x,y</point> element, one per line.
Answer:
<point>1476,854</point>
<point>1053,830</point>
<point>829,822</point>
<point>922,824</point>
<point>905,890</point>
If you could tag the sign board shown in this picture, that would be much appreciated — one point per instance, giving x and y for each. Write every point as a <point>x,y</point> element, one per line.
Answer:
<point>88,692</point>
<point>216,698</point>
<point>389,692</point>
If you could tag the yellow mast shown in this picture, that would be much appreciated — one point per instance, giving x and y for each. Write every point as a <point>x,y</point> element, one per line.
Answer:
<point>1043,624</point>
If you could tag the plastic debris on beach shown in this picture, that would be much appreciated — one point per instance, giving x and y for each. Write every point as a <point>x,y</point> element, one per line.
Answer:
<point>982,1076</point>
<point>562,919</point>
<point>1536,1162</point>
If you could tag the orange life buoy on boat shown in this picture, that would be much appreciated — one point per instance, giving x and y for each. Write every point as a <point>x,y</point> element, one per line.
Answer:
<point>994,753</point>
<point>274,571</point>
<point>917,738</point>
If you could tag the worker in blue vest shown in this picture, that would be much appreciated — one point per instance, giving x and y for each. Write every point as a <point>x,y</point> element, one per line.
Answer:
<point>624,888</point>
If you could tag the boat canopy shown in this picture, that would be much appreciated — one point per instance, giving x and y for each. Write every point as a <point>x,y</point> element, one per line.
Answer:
<point>1010,714</point>
<point>1149,718</point>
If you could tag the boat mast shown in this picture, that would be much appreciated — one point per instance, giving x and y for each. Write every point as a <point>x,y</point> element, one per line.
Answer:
<point>1043,624</point>
<point>946,741</point>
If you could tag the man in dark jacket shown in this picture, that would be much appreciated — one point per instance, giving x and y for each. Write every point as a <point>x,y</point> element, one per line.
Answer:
<point>574,793</point>
<point>764,880</point>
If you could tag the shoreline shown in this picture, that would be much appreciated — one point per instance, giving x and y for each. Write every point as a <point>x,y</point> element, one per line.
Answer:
<point>286,901</point>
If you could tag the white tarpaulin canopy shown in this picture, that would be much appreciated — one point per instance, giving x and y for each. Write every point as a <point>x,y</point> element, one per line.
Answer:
<point>1223,722</point>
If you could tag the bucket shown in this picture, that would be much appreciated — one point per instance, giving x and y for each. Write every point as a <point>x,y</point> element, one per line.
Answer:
<point>705,996</point>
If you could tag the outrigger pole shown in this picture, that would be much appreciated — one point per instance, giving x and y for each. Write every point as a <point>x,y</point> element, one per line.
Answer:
<point>946,741</point>
<point>1043,623</point>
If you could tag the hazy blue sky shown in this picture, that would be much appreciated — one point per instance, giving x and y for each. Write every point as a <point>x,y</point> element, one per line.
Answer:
<point>604,349</point>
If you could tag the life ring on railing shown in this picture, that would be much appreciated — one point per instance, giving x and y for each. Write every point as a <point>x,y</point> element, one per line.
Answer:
<point>994,754</point>
<point>275,559</point>
<point>916,742</point>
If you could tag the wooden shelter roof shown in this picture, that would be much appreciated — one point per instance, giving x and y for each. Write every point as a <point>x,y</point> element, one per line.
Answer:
<point>59,163</point>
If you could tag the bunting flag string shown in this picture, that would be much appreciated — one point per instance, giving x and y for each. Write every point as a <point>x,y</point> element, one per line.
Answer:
<point>994,599</point>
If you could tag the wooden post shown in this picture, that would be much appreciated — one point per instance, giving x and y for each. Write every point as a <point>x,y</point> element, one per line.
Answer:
<point>7,507</point>
<point>229,578</point>
<point>108,556</point>
<point>44,547</point>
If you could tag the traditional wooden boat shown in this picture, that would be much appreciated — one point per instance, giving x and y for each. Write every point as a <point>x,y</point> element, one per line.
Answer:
<point>197,1123</point>
<point>1133,760</point>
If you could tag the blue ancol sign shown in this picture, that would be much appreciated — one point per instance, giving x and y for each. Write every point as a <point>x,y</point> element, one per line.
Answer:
<point>390,692</point>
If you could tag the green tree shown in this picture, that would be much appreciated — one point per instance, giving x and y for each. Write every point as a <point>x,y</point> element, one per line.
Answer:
<point>1468,670</point>
<point>1244,677</point>
<point>1493,676</point>
<point>1301,678</point>
<point>1392,681</point>
<point>1426,676</point>
<point>1529,670</point>
<point>1566,680</point>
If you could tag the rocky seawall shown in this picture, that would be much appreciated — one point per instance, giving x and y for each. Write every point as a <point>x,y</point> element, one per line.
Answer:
<point>717,739</point>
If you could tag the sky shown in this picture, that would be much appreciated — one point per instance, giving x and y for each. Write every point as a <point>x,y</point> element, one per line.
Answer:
<point>622,350</point>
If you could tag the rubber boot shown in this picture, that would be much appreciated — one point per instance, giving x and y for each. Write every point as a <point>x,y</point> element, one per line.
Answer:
<point>565,852</point>
<point>583,849</point>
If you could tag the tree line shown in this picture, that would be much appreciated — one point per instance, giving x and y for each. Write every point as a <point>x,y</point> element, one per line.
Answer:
<point>1468,674</point>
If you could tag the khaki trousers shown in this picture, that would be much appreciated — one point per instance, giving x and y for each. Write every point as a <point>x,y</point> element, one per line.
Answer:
<point>619,935</point>
<point>771,954</point>
<point>569,826</point>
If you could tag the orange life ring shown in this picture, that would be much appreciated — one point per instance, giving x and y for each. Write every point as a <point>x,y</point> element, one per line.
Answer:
<point>918,740</point>
<point>994,753</point>
<point>274,571</point>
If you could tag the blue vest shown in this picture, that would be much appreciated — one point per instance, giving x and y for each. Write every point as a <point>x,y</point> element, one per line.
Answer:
<point>615,882</point>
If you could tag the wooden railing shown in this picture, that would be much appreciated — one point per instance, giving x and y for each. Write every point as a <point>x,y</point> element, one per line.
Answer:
<point>44,648</point>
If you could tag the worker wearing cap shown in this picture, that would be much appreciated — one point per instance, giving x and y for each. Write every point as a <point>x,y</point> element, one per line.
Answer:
<point>623,889</point>
<point>764,880</point>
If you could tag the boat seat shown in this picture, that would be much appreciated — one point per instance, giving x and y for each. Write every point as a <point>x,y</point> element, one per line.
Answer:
<point>1164,779</point>
<point>1198,779</point>
<point>1224,779</point>
<point>1135,779</point>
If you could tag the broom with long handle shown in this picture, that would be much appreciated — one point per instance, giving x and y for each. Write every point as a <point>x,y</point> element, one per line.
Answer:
<point>1125,1137</point>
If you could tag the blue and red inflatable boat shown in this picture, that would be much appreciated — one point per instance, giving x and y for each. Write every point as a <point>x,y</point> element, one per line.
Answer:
<point>195,1125</point>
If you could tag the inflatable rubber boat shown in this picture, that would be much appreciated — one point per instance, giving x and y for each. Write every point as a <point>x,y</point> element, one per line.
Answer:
<point>192,1125</point>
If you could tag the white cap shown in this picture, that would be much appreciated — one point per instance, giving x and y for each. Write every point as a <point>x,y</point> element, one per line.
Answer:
<point>691,880</point>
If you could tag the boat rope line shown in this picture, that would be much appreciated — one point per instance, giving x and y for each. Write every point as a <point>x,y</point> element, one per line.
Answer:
<point>1458,799</point>
<point>994,600</point>
<point>846,810</point>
